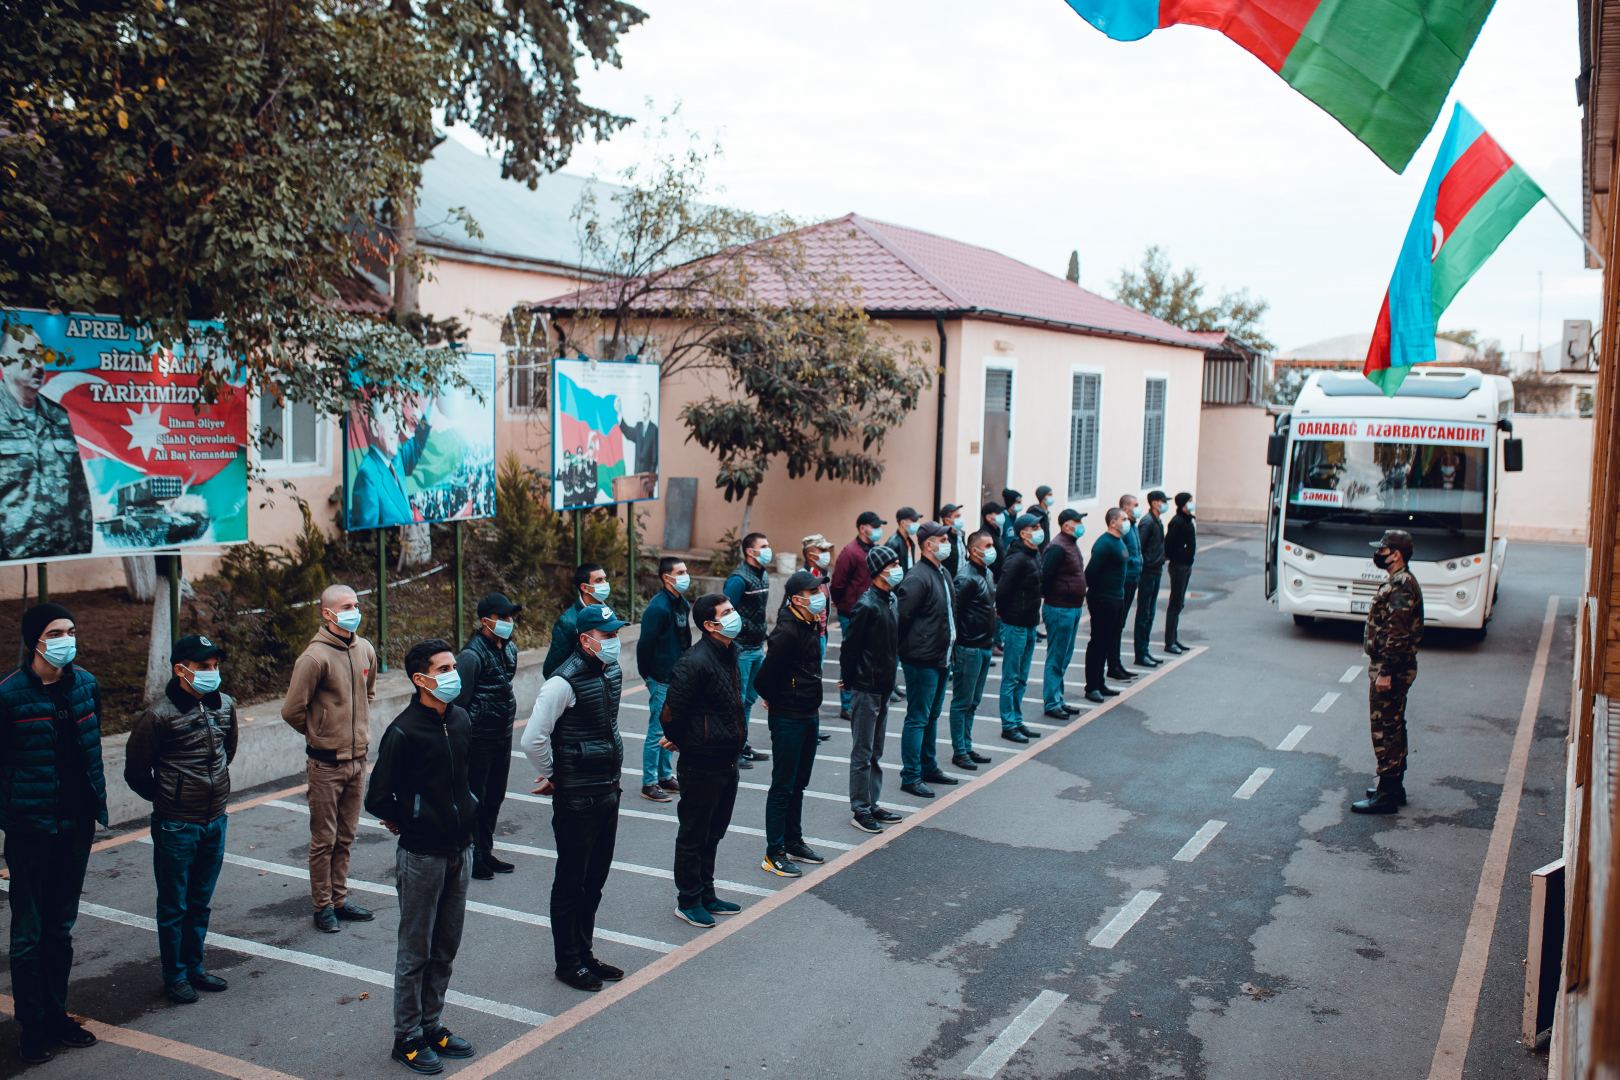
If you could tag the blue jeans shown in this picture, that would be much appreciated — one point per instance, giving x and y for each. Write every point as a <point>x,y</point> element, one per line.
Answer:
<point>748,661</point>
<point>925,697</point>
<point>186,859</point>
<point>843,636</point>
<point>972,668</point>
<point>1018,645</point>
<point>1062,623</point>
<point>656,763</point>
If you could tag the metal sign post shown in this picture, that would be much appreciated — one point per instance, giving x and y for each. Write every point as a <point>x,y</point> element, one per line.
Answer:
<point>630,517</point>
<point>174,599</point>
<point>460,598</point>
<point>382,599</point>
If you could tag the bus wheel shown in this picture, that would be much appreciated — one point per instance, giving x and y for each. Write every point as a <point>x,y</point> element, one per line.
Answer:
<point>1304,622</point>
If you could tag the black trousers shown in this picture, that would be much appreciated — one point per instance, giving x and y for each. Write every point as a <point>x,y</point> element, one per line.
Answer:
<point>708,795</point>
<point>489,762</point>
<point>1147,602</point>
<point>1179,573</point>
<point>793,756</point>
<point>586,825</point>
<point>47,875</point>
<point>1106,624</point>
<point>1114,659</point>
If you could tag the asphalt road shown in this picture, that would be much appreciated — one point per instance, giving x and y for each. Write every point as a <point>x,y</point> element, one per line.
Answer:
<point>1157,890</point>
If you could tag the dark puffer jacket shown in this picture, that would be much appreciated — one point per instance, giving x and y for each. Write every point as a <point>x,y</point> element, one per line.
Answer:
<point>486,668</point>
<point>789,680</point>
<point>179,755</point>
<point>703,713</point>
<point>35,786</point>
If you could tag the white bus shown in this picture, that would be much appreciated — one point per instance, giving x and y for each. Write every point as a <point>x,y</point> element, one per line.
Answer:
<point>1348,463</point>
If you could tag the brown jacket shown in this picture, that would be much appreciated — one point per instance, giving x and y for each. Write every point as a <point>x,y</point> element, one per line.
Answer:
<point>329,697</point>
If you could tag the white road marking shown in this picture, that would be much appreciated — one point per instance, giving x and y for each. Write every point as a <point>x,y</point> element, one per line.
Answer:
<point>1292,739</point>
<point>341,968</point>
<point>547,853</point>
<point>1200,840</point>
<point>1326,703</point>
<point>1015,1034</point>
<point>1252,784</point>
<point>1128,916</point>
<point>1350,673</point>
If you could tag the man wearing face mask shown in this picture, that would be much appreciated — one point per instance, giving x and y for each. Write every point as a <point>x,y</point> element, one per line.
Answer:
<point>1180,548</point>
<point>749,590</point>
<point>1014,502</point>
<point>419,791</point>
<point>950,516</point>
<point>572,740</point>
<point>1151,534</point>
<point>1133,574</point>
<point>851,578</point>
<point>927,636</point>
<point>703,723</point>
<point>975,597</point>
<point>1394,630</point>
<point>866,672</point>
<point>52,794</point>
<point>666,634</point>
<point>329,703</point>
<point>1063,588</point>
<point>487,666</point>
<point>817,551</point>
<point>178,759</point>
<point>1105,595</point>
<point>1042,509</point>
<point>1018,607</point>
<point>590,587</point>
<point>790,686</point>
<point>907,524</point>
<point>992,516</point>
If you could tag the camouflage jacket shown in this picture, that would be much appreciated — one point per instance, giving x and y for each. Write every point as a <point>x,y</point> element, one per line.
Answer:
<point>1395,622</point>
<point>44,498</point>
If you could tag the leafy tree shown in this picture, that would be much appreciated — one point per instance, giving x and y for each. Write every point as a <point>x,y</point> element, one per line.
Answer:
<point>1156,288</point>
<point>1074,267</point>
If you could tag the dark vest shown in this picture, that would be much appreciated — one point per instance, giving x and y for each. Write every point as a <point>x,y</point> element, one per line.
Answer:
<point>1069,588</point>
<point>31,777</point>
<point>756,598</point>
<point>587,752</point>
<point>493,708</point>
<point>193,777</point>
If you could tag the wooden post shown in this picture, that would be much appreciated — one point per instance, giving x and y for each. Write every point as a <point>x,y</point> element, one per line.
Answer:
<point>174,599</point>
<point>382,599</point>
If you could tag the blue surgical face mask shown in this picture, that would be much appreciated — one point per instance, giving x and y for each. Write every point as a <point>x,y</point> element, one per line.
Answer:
<point>731,623</point>
<point>1001,519</point>
<point>60,651</point>
<point>876,536</point>
<point>347,621</point>
<point>1079,531</point>
<point>607,650</point>
<point>943,552</point>
<point>1136,512</point>
<point>205,681</point>
<point>896,575</point>
<point>682,582</point>
<point>989,556</point>
<point>824,559</point>
<point>601,591</point>
<point>1038,537</point>
<point>764,556</point>
<point>1048,501</point>
<point>502,628</point>
<point>446,687</point>
<point>911,529</point>
<point>817,604</point>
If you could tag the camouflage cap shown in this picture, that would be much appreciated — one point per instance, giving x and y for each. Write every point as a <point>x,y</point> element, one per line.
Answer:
<point>815,542</point>
<point>1396,540</point>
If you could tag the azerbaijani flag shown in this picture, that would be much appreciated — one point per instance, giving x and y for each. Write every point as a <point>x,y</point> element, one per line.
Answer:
<point>1474,198</point>
<point>1382,68</point>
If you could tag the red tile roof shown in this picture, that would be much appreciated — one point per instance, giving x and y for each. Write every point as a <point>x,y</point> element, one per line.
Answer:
<point>906,272</point>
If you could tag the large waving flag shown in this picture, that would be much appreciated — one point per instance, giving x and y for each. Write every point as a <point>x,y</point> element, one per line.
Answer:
<point>1474,198</point>
<point>1382,68</point>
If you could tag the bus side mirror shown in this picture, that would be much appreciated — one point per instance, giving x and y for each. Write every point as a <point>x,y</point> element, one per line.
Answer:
<point>1513,455</point>
<point>1276,449</point>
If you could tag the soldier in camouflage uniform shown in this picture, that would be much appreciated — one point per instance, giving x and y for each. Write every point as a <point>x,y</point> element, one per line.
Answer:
<point>44,499</point>
<point>1394,628</point>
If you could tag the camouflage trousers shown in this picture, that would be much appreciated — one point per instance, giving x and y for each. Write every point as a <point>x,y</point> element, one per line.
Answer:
<point>1387,711</point>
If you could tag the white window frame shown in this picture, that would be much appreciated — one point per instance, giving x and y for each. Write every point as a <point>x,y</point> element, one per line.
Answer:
<point>1009,364</point>
<point>324,427</point>
<point>1149,377</point>
<point>1068,461</point>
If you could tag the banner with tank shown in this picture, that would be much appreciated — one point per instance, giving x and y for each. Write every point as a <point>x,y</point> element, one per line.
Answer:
<point>107,446</point>
<point>424,458</point>
<point>604,433</point>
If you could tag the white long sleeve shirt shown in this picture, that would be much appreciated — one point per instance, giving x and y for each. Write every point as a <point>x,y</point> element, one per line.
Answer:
<point>556,697</point>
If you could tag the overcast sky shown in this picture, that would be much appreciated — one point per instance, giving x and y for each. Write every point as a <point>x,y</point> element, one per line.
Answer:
<point>1015,125</point>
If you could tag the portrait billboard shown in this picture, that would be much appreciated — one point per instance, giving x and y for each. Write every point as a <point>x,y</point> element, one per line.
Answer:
<point>424,458</point>
<point>604,433</point>
<point>107,447</point>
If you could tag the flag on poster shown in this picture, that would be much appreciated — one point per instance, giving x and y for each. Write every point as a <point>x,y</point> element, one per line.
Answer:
<point>1382,68</point>
<point>1476,194</point>
<point>107,446</point>
<point>604,433</point>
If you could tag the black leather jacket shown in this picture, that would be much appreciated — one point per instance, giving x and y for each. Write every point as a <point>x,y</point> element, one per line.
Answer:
<point>866,660</point>
<point>926,616</point>
<point>179,755</point>
<point>975,607</point>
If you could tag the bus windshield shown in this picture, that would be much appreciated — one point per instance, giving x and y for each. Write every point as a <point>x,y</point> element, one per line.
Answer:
<point>1343,494</point>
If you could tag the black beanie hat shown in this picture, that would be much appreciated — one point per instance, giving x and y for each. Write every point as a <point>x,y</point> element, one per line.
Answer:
<point>36,619</point>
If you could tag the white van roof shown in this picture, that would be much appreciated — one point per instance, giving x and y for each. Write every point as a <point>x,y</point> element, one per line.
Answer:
<point>1428,392</point>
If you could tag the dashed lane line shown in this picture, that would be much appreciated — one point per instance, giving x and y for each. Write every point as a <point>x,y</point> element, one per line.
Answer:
<point>1293,738</point>
<point>1128,916</point>
<point>1015,1035</point>
<point>340,968</point>
<point>1326,703</point>
<point>1252,784</point>
<point>1350,673</point>
<point>1199,841</point>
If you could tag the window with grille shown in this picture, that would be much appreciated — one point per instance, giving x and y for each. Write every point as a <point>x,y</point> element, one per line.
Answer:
<point>525,381</point>
<point>1084,416</point>
<point>1153,433</point>
<point>998,391</point>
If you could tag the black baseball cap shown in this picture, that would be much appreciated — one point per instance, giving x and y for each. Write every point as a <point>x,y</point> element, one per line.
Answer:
<point>948,509</point>
<point>194,649</point>
<point>1157,496</point>
<point>801,581</point>
<point>596,617</point>
<point>906,513</point>
<point>1025,521</point>
<point>497,604</point>
<point>1069,515</point>
<point>932,529</point>
<point>868,517</point>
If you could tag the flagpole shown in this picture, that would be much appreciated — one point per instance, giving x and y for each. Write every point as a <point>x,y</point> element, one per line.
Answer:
<point>1589,248</point>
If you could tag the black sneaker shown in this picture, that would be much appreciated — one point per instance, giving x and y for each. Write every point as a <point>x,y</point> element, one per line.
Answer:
<point>754,755</point>
<point>181,993</point>
<point>670,784</point>
<point>866,823</point>
<point>417,1056</point>
<point>35,1049</point>
<point>69,1032</point>
<point>654,793</point>
<point>213,984</point>
<point>353,913</point>
<point>580,978</point>
<point>326,920</point>
<point>777,862</point>
<point>447,1043</point>
<point>605,972</point>
<point>500,866</point>
<point>744,763</point>
<point>803,852</point>
<point>481,870</point>
<point>885,816</point>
